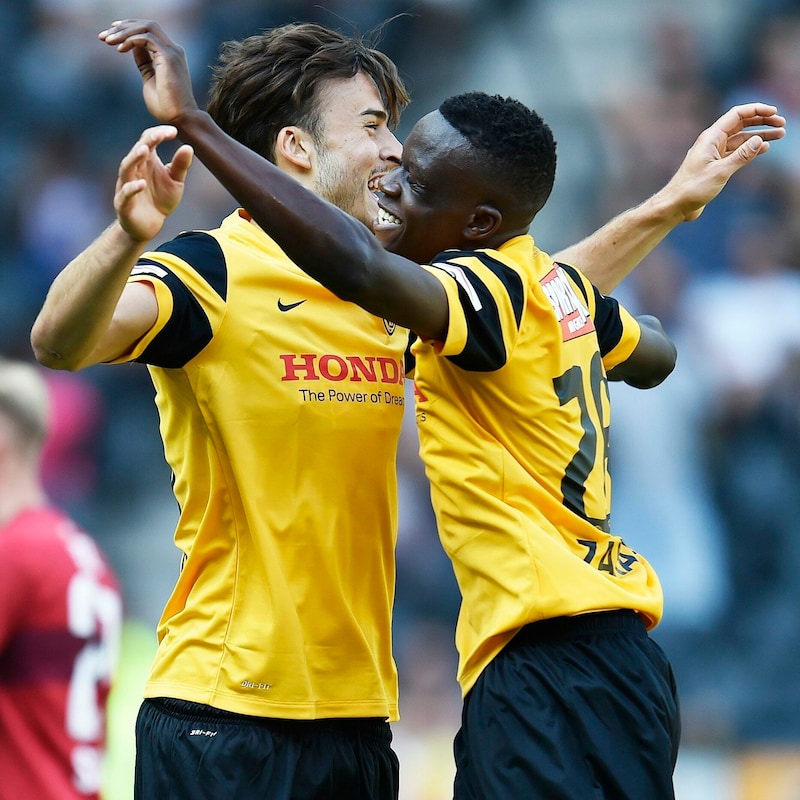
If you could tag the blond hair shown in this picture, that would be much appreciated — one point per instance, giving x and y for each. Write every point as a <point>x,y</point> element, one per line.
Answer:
<point>24,402</point>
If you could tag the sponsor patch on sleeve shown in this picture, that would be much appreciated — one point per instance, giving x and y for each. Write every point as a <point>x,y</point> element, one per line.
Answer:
<point>572,314</point>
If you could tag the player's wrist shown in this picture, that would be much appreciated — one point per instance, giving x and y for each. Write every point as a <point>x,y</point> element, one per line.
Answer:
<point>667,208</point>
<point>127,237</point>
<point>190,122</point>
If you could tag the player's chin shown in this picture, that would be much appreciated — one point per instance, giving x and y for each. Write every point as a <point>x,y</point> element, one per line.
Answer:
<point>390,236</point>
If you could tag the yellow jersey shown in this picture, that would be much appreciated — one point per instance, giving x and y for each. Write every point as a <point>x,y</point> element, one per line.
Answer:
<point>513,415</point>
<point>280,410</point>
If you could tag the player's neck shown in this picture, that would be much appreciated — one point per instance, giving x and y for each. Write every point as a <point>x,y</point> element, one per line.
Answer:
<point>17,493</point>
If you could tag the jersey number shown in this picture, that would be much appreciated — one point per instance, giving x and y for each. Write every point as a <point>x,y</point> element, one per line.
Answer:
<point>568,387</point>
<point>94,613</point>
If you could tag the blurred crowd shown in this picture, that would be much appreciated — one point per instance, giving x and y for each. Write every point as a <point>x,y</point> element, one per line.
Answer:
<point>706,467</point>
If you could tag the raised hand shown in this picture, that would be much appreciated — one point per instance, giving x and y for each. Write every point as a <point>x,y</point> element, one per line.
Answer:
<point>737,138</point>
<point>166,84</point>
<point>740,135</point>
<point>148,190</point>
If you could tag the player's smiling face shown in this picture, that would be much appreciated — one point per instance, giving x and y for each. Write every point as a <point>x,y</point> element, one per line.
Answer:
<point>427,201</point>
<point>357,146</point>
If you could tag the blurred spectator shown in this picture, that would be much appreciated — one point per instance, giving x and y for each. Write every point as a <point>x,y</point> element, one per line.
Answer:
<point>773,75</point>
<point>714,450</point>
<point>771,70</point>
<point>69,458</point>
<point>60,616</point>
<point>58,180</point>
<point>662,494</point>
<point>745,330</point>
<point>664,501</point>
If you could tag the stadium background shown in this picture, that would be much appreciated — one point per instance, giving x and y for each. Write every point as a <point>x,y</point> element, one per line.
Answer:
<point>706,468</point>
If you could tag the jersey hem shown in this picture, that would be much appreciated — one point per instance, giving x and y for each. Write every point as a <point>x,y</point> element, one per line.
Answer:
<point>236,704</point>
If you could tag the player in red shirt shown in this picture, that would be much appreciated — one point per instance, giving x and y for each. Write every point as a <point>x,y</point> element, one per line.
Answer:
<point>60,617</point>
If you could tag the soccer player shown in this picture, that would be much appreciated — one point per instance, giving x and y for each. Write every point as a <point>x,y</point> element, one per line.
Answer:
<point>60,617</point>
<point>565,693</point>
<point>280,409</point>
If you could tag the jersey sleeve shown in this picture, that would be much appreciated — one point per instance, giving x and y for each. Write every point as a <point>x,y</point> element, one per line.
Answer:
<point>486,298</point>
<point>618,332</point>
<point>189,277</point>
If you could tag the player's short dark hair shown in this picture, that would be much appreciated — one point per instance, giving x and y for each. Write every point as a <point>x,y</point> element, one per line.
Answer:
<point>270,80</point>
<point>518,147</point>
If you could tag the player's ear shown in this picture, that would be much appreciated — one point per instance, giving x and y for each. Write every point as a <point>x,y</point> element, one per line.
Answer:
<point>483,222</point>
<point>293,145</point>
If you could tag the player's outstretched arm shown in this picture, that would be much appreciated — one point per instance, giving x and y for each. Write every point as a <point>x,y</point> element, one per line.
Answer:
<point>737,138</point>
<point>90,314</point>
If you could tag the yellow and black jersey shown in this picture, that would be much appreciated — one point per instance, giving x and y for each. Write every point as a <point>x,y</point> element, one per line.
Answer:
<point>280,410</point>
<point>513,413</point>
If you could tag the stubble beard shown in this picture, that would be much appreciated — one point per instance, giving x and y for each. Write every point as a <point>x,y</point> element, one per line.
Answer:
<point>343,189</point>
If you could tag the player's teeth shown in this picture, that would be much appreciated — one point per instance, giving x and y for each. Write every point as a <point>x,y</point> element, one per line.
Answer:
<point>387,218</point>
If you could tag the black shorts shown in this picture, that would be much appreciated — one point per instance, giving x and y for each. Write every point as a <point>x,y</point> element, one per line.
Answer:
<point>192,751</point>
<point>574,708</point>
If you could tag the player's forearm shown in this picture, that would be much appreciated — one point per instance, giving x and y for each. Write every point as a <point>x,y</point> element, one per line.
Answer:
<point>69,330</point>
<point>611,253</point>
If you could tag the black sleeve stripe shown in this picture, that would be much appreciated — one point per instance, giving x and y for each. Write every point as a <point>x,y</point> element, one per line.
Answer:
<point>576,279</point>
<point>205,255</point>
<point>510,278</point>
<point>485,349</point>
<point>186,333</point>
<point>188,330</point>
<point>607,322</point>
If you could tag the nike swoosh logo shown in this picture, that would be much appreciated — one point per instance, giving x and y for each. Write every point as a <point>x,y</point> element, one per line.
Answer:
<point>289,306</point>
